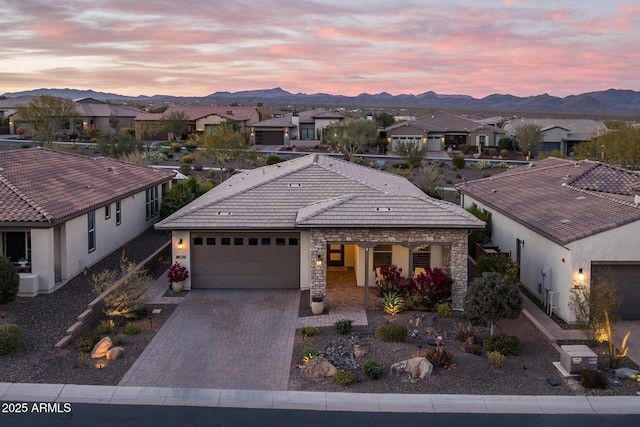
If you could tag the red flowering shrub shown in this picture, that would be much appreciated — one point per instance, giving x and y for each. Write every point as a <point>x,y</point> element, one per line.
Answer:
<point>428,289</point>
<point>177,273</point>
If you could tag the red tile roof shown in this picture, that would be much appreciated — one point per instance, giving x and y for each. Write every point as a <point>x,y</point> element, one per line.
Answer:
<point>47,186</point>
<point>547,197</point>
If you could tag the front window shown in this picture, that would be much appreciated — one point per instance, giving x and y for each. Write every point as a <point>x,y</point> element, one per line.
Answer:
<point>152,202</point>
<point>91,235</point>
<point>307,134</point>
<point>422,257</point>
<point>16,245</point>
<point>118,213</point>
<point>382,255</point>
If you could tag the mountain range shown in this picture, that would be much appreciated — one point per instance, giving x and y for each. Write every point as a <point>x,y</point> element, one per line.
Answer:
<point>608,103</point>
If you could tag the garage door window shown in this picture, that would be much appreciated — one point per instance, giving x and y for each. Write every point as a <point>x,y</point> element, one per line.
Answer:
<point>293,241</point>
<point>225,241</point>
<point>253,241</point>
<point>280,241</point>
<point>197,241</point>
<point>238,241</point>
<point>211,241</point>
<point>266,241</point>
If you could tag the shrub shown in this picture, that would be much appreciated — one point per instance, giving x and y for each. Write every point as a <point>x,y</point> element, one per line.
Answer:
<point>185,170</point>
<point>105,327</point>
<point>466,149</point>
<point>191,145</point>
<point>499,264</point>
<point>308,331</point>
<point>400,166</point>
<point>176,147</point>
<point>458,162</point>
<point>592,379</point>
<point>481,164</point>
<point>473,349</point>
<point>187,159</point>
<point>155,156</point>
<point>372,369</point>
<point>132,328</point>
<point>86,341</point>
<point>309,353</point>
<point>10,337</point>
<point>138,311</point>
<point>504,153</point>
<point>272,159</point>
<point>505,144</point>
<point>444,310</point>
<point>198,167</point>
<point>343,377</point>
<point>432,287</point>
<point>496,359</point>
<point>83,359</point>
<point>120,339</point>
<point>508,345</point>
<point>392,333</point>
<point>9,280</point>
<point>492,151</point>
<point>439,357</point>
<point>343,326</point>
<point>25,145</point>
<point>392,303</point>
<point>464,334</point>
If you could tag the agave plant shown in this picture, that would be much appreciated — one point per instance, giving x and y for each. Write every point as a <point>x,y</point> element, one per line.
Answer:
<point>392,303</point>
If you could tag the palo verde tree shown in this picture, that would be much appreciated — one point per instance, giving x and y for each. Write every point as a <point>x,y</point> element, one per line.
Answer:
<point>48,116</point>
<point>529,137</point>
<point>354,135</point>
<point>492,298</point>
<point>412,153</point>
<point>620,145</point>
<point>223,145</point>
<point>175,123</point>
<point>589,303</point>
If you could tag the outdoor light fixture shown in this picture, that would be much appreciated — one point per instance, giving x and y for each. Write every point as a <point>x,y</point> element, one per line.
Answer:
<point>319,260</point>
<point>580,275</point>
<point>180,244</point>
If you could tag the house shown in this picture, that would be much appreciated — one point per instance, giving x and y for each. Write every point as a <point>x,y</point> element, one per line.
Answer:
<point>201,118</point>
<point>305,128</point>
<point>280,226</point>
<point>566,224</point>
<point>106,118</point>
<point>63,212</point>
<point>440,131</point>
<point>559,134</point>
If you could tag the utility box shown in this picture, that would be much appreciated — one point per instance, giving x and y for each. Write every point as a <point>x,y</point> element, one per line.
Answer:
<point>575,357</point>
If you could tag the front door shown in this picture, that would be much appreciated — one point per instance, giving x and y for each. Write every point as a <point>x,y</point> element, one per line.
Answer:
<point>335,255</point>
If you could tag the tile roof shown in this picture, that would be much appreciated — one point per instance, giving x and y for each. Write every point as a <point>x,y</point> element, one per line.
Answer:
<point>315,190</point>
<point>550,197</point>
<point>46,186</point>
<point>195,112</point>
<point>604,178</point>
<point>445,122</point>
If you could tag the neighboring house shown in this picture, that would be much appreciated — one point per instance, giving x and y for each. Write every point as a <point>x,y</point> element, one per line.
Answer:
<point>566,224</point>
<point>8,107</point>
<point>202,118</point>
<point>440,131</point>
<point>559,134</point>
<point>60,212</point>
<point>280,226</point>
<point>305,128</point>
<point>105,117</point>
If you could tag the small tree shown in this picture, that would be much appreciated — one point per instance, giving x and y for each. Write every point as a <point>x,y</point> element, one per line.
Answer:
<point>384,119</point>
<point>48,116</point>
<point>223,145</point>
<point>9,280</point>
<point>590,303</point>
<point>492,298</point>
<point>412,153</point>
<point>529,137</point>
<point>354,135</point>
<point>175,123</point>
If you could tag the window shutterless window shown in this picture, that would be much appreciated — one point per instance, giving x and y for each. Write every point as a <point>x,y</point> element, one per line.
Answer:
<point>107,212</point>
<point>118,213</point>
<point>91,230</point>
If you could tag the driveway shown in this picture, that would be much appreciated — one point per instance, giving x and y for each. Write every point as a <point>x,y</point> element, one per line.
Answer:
<point>224,339</point>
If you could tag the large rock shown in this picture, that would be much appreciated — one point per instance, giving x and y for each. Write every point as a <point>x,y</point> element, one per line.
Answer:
<point>115,353</point>
<point>318,367</point>
<point>416,369</point>
<point>100,349</point>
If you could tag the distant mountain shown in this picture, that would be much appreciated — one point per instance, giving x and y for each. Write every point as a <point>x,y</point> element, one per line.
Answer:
<point>609,103</point>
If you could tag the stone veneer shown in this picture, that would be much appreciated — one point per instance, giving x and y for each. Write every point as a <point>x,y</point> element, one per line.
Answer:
<point>454,242</point>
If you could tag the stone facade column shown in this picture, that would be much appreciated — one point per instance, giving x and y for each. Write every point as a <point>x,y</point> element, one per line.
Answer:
<point>318,273</point>
<point>458,268</point>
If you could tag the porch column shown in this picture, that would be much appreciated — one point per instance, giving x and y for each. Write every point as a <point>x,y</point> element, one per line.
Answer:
<point>366,247</point>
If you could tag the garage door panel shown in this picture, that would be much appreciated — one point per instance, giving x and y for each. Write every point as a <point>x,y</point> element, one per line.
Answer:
<point>627,280</point>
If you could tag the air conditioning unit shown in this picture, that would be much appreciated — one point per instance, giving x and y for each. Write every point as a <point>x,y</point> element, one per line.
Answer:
<point>575,357</point>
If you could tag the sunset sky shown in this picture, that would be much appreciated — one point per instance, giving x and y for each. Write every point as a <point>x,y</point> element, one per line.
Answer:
<point>197,47</point>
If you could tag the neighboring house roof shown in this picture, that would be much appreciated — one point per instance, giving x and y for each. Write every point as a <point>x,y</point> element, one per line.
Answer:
<point>106,110</point>
<point>306,117</point>
<point>317,191</point>
<point>557,198</point>
<point>226,111</point>
<point>45,186</point>
<point>445,122</point>
<point>579,129</point>
<point>280,122</point>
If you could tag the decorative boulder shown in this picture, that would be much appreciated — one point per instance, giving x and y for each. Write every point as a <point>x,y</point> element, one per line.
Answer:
<point>416,369</point>
<point>115,353</point>
<point>100,349</point>
<point>318,367</point>
<point>359,351</point>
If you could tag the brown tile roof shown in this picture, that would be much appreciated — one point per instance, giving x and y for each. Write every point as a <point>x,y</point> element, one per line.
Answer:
<point>47,186</point>
<point>227,111</point>
<point>544,197</point>
<point>604,178</point>
<point>445,122</point>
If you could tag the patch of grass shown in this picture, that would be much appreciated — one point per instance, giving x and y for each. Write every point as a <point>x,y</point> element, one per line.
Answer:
<point>309,331</point>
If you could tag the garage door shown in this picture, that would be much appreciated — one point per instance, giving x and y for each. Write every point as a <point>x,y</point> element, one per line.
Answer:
<point>244,260</point>
<point>626,276</point>
<point>264,137</point>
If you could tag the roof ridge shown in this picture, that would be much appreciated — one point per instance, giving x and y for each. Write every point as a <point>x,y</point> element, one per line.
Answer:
<point>26,198</point>
<point>337,201</point>
<point>605,196</point>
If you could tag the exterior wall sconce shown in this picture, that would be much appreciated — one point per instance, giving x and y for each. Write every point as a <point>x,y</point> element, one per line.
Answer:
<point>180,244</point>
<point>580,275</point>
<point>319,260</point>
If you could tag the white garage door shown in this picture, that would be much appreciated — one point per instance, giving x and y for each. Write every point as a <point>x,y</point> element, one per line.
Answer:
<point>245,260</point>
<point>626,276</point>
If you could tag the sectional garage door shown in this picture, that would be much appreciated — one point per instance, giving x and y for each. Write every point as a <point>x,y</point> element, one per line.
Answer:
<point>245,260</point>
<point>626,276</point>
<point>269,137</point>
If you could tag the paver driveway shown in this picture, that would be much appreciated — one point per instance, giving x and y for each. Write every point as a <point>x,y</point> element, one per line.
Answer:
<point>225,339</point>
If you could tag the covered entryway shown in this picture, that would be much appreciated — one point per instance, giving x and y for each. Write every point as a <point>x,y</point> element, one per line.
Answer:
<point>245,260</point>
<point>626,276</point>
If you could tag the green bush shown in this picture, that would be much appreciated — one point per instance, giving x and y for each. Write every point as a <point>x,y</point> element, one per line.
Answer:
<point>185,170</point>
<point>86,341</point>
<point>309,353</point>
<point>176,147</point>
<point>444,310</point>
<point>343,326</point>
<point>137,312</point>
<point>473,349</point>
<point>343,377</point>
<point>10,337</point>
<point>191,145</point>
<point>392,333</point>
<point>132,328</point>
<point>120,339</point>
<point>400,166</point>
<point>372,369</point>
<point>496,359</point>
<point>463,335</point>
<point>308,331</point>
<point>9,280</point>
<point>187,159</point>
<point>272,159</point>
<point>508,345</point>
<point>466,149</point>
<point>106,327</point>
<point>505,144</point>
<point>592,379</point>
<point>458,162</point>
<point>439,357</point>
